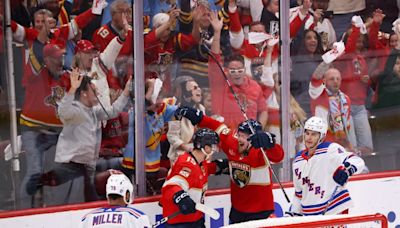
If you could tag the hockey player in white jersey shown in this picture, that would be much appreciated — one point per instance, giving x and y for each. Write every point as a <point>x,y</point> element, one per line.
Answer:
<point>119,191</point>
<point>320,174</point>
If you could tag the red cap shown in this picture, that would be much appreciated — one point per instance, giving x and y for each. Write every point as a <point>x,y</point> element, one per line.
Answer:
<point>84,46</point>
<point>52,50</point>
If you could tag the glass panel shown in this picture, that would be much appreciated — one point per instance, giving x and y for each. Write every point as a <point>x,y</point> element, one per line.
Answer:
<point>191,49</point>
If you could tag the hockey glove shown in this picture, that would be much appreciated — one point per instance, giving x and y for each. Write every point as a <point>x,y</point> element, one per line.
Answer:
<point>222,166</point>
<point>343,173</point>
<point>185,203</point>
<point>262,139</point>
<point>191,114</point>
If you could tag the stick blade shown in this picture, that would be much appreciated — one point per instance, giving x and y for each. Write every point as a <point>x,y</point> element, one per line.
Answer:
<point>214,214</point>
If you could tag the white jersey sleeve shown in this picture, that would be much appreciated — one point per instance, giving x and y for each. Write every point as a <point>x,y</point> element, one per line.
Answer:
<point>126,217</point>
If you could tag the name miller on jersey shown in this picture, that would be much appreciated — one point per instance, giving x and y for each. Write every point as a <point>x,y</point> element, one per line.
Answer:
<point>108,218</point>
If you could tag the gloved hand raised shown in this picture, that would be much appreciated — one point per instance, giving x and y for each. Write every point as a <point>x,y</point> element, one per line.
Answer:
<point>191,114</point>
<point>185,203</point>
<point>343,172</point>
<point>262,139</point>
<point>222,166</point>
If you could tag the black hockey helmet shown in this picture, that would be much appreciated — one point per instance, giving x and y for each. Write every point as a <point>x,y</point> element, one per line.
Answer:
<point>245,126</point>
<point>203,137</point>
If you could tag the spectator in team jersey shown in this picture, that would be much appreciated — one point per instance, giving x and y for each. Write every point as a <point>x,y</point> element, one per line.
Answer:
<point>119,9</point>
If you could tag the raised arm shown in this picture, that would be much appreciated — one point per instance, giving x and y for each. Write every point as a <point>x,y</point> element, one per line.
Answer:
<point>236,35</point>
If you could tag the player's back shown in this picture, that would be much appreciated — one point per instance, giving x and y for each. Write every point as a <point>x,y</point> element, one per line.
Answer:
<point>115,217</point>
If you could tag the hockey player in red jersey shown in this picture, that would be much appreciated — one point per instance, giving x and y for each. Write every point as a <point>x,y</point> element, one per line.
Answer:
<point>320,173</point>
<point>187,181</point>
<point>251,184</point>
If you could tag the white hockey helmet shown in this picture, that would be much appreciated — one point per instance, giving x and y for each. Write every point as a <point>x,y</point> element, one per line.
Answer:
<point>120,184</point>
<point>317,124</point>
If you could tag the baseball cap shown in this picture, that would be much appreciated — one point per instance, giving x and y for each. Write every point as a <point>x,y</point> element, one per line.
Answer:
<point>52,50</point>
<point>84,46</point>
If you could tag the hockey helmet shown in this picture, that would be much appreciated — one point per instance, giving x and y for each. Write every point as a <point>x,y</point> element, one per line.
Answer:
<point>245,126</point>
<point>120,184</point>
<point>203,137</point>
<point>317,124</point>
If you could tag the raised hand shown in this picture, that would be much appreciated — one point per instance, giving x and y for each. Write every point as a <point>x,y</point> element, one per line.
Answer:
<point>262,139</point>
<point>215,22</point>
<point>76,80</point>
<point>343,172</point>
<point>378,16</point>
<point>127,86</point>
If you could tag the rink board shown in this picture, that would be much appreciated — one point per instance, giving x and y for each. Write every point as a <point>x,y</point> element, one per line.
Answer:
<point>371,193</point>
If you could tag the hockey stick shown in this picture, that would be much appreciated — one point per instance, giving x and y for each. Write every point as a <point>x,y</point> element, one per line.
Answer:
<point>330,199</point>
<point>246,118</point>
<point>214,214</point>
<point>165,219</point>
<point>200,207</point>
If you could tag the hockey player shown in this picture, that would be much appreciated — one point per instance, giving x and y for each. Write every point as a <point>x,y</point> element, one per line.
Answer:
<point>320,173</point>
<point>119,194</point>
<point>251,184</point>
<point>187,181</point>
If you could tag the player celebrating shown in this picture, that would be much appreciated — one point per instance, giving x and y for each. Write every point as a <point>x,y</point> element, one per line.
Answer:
<point>187,181</point>
<point>251,185</point>
<point>119,194</point>
<point>315,191</point>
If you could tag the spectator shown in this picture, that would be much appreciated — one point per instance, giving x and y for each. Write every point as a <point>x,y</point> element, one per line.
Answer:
<point>79,142</point>
<point>321,23</point>
<point>40,124</point>
<point>249,92</point>
<point>272,91</point>
<point>157,114</point>
<point>305,59</point>
<point>194,62</point>
<point>254,48</point>
<point>180,132</point>
<point>331,104</point>
<point>119,9</point>
<point>355,84</point>
<point>160,45</point>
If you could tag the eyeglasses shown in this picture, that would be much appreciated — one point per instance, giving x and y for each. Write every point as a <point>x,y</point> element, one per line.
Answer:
<point>195,87</point>
<point>236,71</point>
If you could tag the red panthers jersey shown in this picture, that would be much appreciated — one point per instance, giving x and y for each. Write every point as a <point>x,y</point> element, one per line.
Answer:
<point>188,175</point>
<point>251,182</point>
<point>102,37</point>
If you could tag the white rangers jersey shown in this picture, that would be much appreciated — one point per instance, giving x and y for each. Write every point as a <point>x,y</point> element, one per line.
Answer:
<point>313,180</point>
<point>126,217</point>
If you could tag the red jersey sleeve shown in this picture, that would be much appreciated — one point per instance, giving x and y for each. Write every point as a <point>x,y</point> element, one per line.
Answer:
<point>185,42</point>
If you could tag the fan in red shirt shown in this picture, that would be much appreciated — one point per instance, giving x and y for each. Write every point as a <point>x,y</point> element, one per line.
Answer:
<point>251,184</point>
<point>160,45</point>
<point>104,35</point>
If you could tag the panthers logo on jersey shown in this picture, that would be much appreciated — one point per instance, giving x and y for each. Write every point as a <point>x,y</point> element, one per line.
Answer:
<point>240,173</point>
<point>57,93</point>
